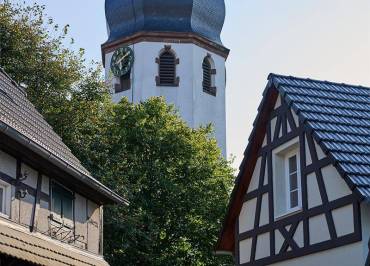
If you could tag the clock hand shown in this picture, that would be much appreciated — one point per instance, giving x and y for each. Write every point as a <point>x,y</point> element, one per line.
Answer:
<point>122,58</point>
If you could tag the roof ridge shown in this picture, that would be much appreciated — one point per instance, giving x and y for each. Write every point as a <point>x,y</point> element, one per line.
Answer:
<point>19,87</point>
<point>272,75</point>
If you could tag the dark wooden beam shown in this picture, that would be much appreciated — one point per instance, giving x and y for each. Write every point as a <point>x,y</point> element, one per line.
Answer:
<point>318,210</point>
<point>36,202</point>
<point>255,193</point>
<point>27,156</point>
<point>288,238</point>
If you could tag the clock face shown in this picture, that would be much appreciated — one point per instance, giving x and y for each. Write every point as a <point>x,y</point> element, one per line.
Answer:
<point>122,61</point>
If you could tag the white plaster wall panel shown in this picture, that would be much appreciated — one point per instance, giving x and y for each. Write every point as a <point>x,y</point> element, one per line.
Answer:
<point>26,206</point>
<point>343,220</point>
<point>266,177</point>
<point>264,141</point>
<point>273,127</point>
<point>8,164</point>
<point>313,192</point>
<point>308,153</point>
<point>278,102</point>
<point>42,222</point>
<point>288,126</point>
<point>279,241</point>
<point>32,176</point>
<point>245,247</point>
<point>246,216</point>
<point>14,207</point>
<point>263,246</point>
<point>93,228</point>
<point>365,224</point>
<point>196,107</point>
<point>318,227</point>
<point>295,117</point>
<point>280,131</point>
<point>335,185</point>
<point>287,227</point>
<point>264,217</point>
<point>298,235</point>
<point>253,185</point>
<point>81,217</point>
<point>45,185</point>
<point>350,255</point>
<point>320,154</point>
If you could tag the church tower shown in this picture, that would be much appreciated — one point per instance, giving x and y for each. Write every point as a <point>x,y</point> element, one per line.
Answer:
<point>169,48</point>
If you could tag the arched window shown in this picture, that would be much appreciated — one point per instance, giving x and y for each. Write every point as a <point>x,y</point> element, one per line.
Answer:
<point>208,76</point>
<point>167,68</point>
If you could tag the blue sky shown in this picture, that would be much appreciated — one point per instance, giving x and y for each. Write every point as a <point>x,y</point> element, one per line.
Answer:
<point>327,40</point>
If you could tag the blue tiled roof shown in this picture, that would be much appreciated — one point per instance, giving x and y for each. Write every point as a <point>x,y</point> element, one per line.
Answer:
<point>339,115</point>
<point>202,17</point>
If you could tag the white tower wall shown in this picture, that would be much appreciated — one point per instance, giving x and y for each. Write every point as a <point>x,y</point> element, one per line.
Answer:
<point>195,106</point>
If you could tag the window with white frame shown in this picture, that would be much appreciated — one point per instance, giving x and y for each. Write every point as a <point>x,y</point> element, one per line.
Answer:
<point>293,188</point>
<point>287,179</point>
<point>5,196</point>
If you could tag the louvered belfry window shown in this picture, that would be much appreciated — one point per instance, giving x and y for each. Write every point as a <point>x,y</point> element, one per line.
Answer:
<point>208,73</point>
<point>167,68</point>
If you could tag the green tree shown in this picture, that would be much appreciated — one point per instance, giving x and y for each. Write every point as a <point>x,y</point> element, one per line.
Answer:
<point>177,183</point>
<point>174,176</point>
<point>69,93</point>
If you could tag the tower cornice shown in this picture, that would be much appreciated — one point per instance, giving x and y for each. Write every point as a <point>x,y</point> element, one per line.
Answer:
<point>166,37</point>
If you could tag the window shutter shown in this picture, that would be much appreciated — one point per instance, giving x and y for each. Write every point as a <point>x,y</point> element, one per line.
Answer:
<point>167,69</point>
<point>207,77</point>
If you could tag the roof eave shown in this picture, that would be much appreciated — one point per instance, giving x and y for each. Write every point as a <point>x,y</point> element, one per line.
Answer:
<point>111,196</point>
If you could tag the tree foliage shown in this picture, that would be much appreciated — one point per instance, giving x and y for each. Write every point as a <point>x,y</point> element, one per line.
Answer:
<point>174,176</point>
<point>177,183</point>
<point>69,93</point>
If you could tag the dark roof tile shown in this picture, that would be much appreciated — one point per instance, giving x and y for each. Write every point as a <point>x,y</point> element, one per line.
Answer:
<point>339,115</point>
<point>18,113</point>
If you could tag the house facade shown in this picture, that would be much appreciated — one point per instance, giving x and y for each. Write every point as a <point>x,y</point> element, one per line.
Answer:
<point>301,197</point>
<point>51,208</point>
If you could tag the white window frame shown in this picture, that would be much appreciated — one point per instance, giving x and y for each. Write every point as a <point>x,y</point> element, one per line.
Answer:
<point>281,179</point>
<point>289,155</point>
<point>7,197</point>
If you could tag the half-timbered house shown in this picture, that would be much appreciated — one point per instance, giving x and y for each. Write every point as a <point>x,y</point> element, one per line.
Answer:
<point>50,206</point>
<point>301,197</point>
